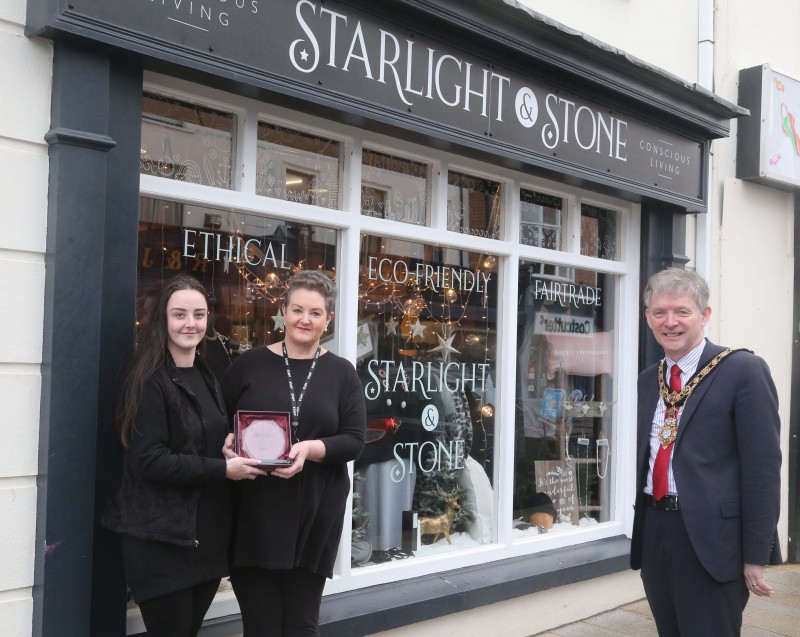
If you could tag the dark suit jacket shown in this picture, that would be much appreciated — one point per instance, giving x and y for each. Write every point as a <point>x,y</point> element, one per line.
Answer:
<point>726,462</point>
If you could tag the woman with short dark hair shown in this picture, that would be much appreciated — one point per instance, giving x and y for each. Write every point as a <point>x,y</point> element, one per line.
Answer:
<point>289,523</point>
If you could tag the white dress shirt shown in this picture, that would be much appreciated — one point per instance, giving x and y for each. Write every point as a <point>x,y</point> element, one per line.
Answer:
<point>688,365</point>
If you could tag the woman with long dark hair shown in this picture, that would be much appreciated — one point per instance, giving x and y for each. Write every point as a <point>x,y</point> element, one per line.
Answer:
<point>174,507</point>
<point>288,524</point>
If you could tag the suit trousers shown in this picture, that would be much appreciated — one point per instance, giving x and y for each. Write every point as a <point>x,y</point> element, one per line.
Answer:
<point>685,600</point>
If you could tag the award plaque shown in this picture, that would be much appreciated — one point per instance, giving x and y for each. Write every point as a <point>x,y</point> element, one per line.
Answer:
<point>263,435</point>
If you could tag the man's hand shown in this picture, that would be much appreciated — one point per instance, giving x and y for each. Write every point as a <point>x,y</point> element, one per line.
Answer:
<point>754,578</point>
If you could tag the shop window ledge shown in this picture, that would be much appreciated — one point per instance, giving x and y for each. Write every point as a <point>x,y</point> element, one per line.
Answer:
<point>366,611</point>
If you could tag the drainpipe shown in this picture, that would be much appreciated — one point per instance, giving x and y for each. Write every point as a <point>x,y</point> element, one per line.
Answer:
<point>705,79</point>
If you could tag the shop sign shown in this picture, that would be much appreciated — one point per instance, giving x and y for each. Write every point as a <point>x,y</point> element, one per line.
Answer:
<point>425,378</point>
<point>333,53</point>
<point>429,381</point>
<point>426,276</point>
<point>768,142</point>
<point>582,354</point>
<point>548,323</point>
<point>566,294</point>
<point>215,246</point>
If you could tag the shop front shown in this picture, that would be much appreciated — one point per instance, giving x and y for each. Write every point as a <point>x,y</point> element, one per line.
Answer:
<point>487,190</point>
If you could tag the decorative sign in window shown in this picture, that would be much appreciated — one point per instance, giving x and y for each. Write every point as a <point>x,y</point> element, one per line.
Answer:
<point>394,188</point>
<point>243,260</point>
<point>540,220</point>
<point>474,205</point>
<point>298,166</point>
<point>565,399</point>
<point>186,142</point>
<point>598,232</point>
<point>426,358</point>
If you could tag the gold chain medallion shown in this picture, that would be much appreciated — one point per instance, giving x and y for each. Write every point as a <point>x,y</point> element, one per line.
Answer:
<point>673,400</point>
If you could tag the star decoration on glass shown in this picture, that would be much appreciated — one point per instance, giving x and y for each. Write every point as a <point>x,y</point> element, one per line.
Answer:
<point>391,326</point>
<point>363,335</point>
<point>417,329</point>
<point>279,321</point>
<point>445,346</point>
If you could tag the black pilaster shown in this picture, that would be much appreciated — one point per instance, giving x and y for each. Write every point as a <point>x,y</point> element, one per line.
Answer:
<point>117,329</point>
<point>663,246</point>
<point>90,267</point>
<point>792,552</point>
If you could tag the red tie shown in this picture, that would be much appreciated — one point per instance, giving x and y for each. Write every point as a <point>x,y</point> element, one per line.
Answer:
<point>661,465</point>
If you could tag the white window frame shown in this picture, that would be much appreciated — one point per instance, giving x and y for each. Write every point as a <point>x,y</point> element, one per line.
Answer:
<point>350,223</point>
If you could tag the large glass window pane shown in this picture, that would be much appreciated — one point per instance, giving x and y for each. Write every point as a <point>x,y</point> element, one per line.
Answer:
<point>565,399</point>
<point>540,220</point>
<point>474,205</point>
<point>599,232</point>
<point>244,261</point>
<point>186,142</point>
<point>298,166</point>
<point>426,357</point>
<point>393,188</point>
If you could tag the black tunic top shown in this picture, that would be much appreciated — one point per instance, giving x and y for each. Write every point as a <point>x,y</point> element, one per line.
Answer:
<point>156,568</point>
<point>284,524</point>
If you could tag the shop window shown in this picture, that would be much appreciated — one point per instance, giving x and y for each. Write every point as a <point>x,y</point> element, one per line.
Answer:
<point>186,142</point>
<point>426,357</point>
<point>394,188</point>
<point>298,166</point>
<point>599,232</point>
<point>474,205</point>
<point>244,261</point>
<point>541,221</point>
<point>565,400</point>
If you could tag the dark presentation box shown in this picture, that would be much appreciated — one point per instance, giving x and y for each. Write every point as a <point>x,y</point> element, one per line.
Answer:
<point>263,435</point>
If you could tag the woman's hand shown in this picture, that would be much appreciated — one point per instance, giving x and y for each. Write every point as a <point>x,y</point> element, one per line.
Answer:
<point>238,468</point>
<point>227,448</point>
<point>313,450</point>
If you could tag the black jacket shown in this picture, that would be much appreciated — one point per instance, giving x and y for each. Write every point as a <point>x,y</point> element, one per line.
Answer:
<point>164,468</point>
<point>726,462</point>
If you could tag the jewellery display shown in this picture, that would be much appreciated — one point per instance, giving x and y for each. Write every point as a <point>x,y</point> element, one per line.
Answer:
<point>601,442</point>
<point>584,442</point>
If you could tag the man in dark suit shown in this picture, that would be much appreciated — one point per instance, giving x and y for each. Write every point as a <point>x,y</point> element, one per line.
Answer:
<point>708,469</point>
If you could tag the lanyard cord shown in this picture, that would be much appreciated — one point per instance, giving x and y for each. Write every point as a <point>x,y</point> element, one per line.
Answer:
<point>296,403</point>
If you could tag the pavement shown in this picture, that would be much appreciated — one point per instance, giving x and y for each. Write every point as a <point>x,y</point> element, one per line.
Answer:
<point>774,616</point>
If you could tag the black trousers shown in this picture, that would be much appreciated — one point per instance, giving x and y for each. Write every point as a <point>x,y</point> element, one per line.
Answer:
<point>686,601</point>
<point>178,614</point>
<point>278,603</point>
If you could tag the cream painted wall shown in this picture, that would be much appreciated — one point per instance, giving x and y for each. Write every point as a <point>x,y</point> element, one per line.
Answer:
<point>753,279</point>
<point>24,119</point>
<point>664,34</point>
<point>752,226</point>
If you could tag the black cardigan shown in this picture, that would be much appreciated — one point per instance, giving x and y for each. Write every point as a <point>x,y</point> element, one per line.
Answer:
<point>164,467</point>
